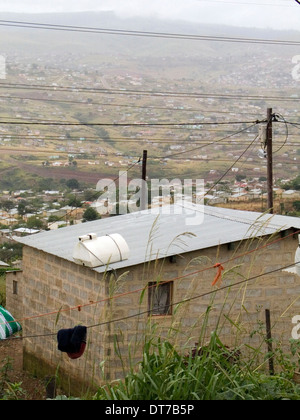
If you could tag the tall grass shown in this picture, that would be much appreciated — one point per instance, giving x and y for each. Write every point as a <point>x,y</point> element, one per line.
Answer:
<point>209,371</point>
<point>212,373</point>
<point>170,370</point>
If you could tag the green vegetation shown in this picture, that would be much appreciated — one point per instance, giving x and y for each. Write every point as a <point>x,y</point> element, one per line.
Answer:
<point>210,373</point>
<point>73,184</point>
<point>9,391</point>
<point>293,185</point>
<point>90,215</point>
<point>296,206</point>
<point>10,252</point>
<point>35,223</point>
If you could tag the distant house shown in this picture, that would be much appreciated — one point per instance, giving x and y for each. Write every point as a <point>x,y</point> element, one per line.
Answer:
<point>156,290</point>
<point>25,232</point>
<point>65,212</point>
<point>57,225</point>
<point>291,194</point>
<point>256,193</point>
<point>51,192</point>
<point>5,235</point>
<point>4,265</point>
<point>239,197</point>
<point>8,221</point>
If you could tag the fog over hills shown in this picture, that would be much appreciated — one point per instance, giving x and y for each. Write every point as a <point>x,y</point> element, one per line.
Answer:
<point>31,41</point>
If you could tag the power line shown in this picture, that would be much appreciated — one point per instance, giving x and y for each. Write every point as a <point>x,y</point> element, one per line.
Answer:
<point>189,138</point>
<point>297,125</point>
<point>182,276</point>
<point>232,166</point>
<point>146,34</point>
<point>186,300</point>
<point>185,275</point>
<point>123,141</point>
<point>239,3</point>
<point>230,286</point>
<point>177,141</point>
<point>133,106</point>
<point>222,177</point>
<point>212,143</point>
<point>137,124</point>
<point>287,132</point>
<point>178,94</point>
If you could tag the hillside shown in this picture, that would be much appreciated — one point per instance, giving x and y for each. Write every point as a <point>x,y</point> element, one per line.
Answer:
<point>28,41</point>
<point>181,68</point>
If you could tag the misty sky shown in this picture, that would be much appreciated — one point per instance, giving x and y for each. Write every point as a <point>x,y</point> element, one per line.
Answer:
<point>276,14</point>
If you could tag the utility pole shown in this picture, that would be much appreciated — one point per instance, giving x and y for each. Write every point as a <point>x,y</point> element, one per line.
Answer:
<point>269,144</point>
<point>144,192</point>
<point>269,342</point>
<point>144,169</point>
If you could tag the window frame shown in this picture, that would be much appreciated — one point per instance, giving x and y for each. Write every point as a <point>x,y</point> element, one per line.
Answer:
<point>160,310</point>
<point>15,287</point>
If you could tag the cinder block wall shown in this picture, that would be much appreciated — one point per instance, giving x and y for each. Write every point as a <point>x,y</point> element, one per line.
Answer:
<point>237,311</point>
<point>49,284</point>
<point>14,293</point>
<point>49,287</point>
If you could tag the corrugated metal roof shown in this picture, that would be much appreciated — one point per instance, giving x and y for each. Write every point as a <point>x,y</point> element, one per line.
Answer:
<point>151,234</point>
<point>3,264</point>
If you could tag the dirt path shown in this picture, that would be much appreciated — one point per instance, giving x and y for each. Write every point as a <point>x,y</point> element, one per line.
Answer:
<point>34,388</point>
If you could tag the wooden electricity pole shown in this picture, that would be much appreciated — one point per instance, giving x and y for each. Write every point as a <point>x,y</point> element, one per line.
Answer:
<point>270,160</point>
<point>144,192</point>
<point>269,343</point>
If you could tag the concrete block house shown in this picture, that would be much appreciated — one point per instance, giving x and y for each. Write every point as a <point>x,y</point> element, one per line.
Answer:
<point>155,291</point>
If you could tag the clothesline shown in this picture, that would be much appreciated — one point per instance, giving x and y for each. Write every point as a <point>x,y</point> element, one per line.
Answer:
<point>215,291</point>
<point>140,290</point>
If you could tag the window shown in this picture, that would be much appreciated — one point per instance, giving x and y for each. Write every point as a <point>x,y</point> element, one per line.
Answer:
<point>15,287</point>
<point>160,298</point>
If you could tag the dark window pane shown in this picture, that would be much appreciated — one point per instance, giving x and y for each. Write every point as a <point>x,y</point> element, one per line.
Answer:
<point>160,296</point>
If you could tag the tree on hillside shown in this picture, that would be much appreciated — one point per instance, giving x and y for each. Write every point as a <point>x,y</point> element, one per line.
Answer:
<point>35,223</point>
<point>22,208</point>
<point>90,215</point>
<point>293,185</point>
<point>73,201</point>
<point>296,183</point>
<point>296,205</point>
<point>46,184</point>
<point>7,205</point>
<point>73,184</point>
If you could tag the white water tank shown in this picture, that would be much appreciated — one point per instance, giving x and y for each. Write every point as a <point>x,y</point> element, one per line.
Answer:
<point>91,251</point>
